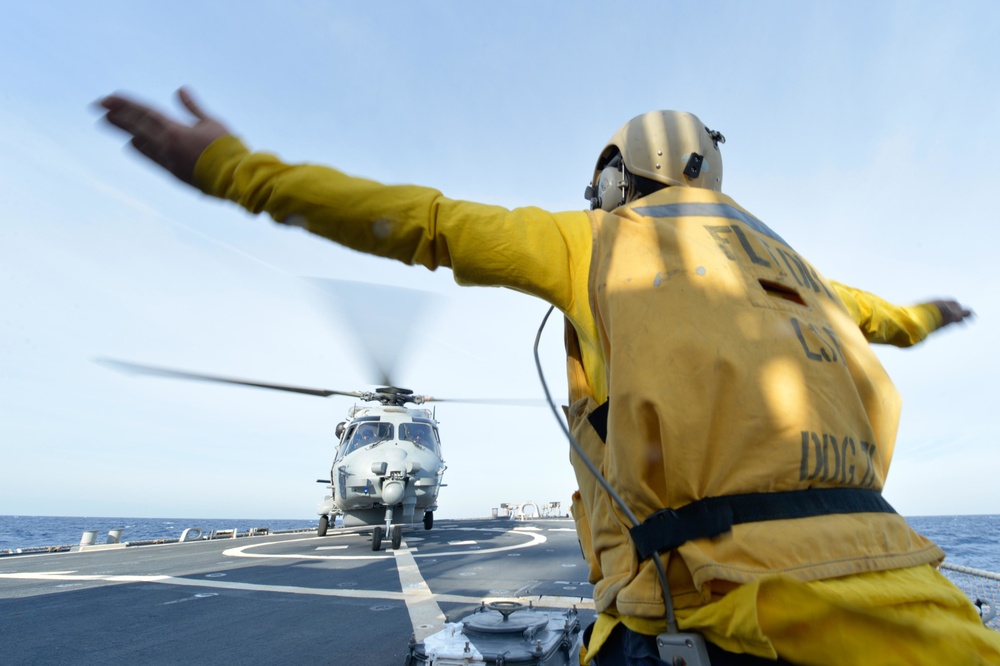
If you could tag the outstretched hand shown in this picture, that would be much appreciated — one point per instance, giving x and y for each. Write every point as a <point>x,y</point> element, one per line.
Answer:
<point>952,311</point>
<point>175,146</point>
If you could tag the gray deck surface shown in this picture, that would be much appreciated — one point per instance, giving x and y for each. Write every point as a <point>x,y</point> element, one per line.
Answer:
<point>293,598</point>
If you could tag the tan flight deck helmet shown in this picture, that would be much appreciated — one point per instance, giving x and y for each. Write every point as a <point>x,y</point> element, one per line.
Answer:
<point>656,149</point>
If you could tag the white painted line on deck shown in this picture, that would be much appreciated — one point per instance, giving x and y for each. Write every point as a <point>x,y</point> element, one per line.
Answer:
<point>533,539</point>
<point>332,548</point>
<point>62,576</point>
<point>241,552</point>
<point>543,601</point>
<point>425,614</point>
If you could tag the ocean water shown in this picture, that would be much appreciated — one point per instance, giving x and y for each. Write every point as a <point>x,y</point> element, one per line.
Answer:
<point>971,541</point>
<point>43,531</point>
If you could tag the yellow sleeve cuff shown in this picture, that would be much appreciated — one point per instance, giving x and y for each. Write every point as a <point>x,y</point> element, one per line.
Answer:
<point>929,316</point>
<point>214,169</point>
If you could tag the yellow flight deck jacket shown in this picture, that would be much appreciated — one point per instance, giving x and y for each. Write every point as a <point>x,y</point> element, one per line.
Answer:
<point>706,360</point>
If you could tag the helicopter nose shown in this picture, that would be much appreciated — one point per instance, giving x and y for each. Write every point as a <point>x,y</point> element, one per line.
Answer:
<point>392,492</point>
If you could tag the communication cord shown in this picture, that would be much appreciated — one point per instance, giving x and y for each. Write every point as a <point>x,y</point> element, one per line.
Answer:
<point>661,572</point>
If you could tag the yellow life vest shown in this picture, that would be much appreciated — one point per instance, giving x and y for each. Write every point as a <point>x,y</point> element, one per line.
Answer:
<point>732,369</point>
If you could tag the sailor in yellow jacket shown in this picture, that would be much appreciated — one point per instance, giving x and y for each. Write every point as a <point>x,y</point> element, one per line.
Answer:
<point>714,373</point>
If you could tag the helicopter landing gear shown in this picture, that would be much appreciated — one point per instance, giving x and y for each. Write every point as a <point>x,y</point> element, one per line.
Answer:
<point>324,524</point>
<point>397,537</point>
<point>377,538</point>
<point>428,520</point>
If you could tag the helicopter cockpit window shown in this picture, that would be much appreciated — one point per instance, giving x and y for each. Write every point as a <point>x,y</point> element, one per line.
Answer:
<point>369,433</point>
<point>418,433</point>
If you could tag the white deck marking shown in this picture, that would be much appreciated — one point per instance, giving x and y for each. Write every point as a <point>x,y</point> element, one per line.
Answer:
<point>425,614</point>
<point>63,575</point>
<point>544,601</point>
<point>533,539</point>
<point>241,552</point>
<point>332,547</point>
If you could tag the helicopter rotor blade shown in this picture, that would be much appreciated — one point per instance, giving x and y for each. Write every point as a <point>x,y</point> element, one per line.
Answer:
<point>135,368</point>
<point>379,317</point>
<point>511,402</point>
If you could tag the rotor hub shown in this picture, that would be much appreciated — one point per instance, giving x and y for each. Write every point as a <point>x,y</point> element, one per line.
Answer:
<point>394,395</point>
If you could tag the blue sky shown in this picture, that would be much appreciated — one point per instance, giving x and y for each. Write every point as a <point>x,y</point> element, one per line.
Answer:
<point>864,133</point>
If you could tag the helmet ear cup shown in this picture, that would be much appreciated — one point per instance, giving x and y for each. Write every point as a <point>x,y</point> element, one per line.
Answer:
<point>612,187</point>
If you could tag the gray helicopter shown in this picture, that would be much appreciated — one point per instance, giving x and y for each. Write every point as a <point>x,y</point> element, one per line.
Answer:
<point>388,468</point>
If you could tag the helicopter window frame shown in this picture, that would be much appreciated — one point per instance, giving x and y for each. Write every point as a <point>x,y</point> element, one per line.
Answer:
<point>353,441</point>
<point>432,440</point>
<point>434,428</point>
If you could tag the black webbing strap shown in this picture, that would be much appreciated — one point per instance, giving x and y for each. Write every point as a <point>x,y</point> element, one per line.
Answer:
<point>712,516</point>
<point>599,420</point>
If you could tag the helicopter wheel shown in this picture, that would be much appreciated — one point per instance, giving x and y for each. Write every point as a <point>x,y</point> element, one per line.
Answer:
<point>397,536</point>
<point>377,538</point>
<point>324,523</point>
<point>428,519</point>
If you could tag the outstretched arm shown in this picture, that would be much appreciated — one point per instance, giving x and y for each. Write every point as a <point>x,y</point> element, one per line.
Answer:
<point>527,249</point>
<point>175,146</point>
<point>903,326</point>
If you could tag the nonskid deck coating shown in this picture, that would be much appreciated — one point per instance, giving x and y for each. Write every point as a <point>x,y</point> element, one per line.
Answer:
<point>281,598</point>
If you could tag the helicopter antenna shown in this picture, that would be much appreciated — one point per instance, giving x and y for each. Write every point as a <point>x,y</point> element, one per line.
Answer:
<point>660,571</point>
